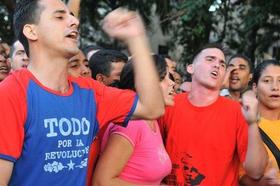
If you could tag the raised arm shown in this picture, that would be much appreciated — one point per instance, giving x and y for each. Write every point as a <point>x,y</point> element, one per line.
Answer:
<point>225,84</point>
<point>256,157</point>
<point>74,7</point>
<point>6,168</point>
<point>128,27</point>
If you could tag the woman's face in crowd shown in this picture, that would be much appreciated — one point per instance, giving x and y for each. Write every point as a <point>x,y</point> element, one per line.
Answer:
<point>268,88</point>
<point>167,87</point>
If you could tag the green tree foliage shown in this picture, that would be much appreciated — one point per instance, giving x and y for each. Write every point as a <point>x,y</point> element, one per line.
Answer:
<point>260,27</point>
<point>192,27</point>
<point>6,14</point>
<point>92,13</point>
<point>249,27</point>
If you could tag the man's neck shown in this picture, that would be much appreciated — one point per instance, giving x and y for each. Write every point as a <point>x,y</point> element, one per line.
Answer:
<point>235,95</point>
<point>269,114</point>
<point>201,96</point>
<point>51,72</point>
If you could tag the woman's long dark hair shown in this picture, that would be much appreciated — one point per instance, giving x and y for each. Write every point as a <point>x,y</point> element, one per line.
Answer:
<point>127,75</point>
<point>261,67</point>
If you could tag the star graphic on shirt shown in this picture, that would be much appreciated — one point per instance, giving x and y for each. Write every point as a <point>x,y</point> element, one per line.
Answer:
<point>71,165</point>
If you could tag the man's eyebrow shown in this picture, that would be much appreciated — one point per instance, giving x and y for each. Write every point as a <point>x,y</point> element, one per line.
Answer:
<point>267,76</point>
<point>59,12</point>
<point>62,12</point>
<point>212,57</point>
<point>20,51</point>
<point>73,60</point>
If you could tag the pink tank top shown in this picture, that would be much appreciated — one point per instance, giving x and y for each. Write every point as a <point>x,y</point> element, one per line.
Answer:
<point>149,163</point>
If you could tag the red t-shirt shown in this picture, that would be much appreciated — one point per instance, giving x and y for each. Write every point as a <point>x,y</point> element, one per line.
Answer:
<point>205,144</point>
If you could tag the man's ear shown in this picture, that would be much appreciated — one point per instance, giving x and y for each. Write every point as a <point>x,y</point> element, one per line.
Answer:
<point>29,31</point>
<point>250,76</point>
<point>100,77</point>
<point>190,68</point>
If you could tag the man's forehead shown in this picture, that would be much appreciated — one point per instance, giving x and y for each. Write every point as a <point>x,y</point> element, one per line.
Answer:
<point>271,70</point>
<point>238,61</point>
<point>18,45</point>
<point>211,50</point>
<point>53,5</point>
<point>2,51</point>
<point>215,52</point>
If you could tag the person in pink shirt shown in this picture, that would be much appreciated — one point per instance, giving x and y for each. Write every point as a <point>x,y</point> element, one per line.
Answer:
<point>138,147</point>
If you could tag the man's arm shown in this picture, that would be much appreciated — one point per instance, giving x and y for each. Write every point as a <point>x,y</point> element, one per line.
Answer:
<point>256,156</point>
<point>6,168</point>
<point>74,7</point>
<point>128,27</point>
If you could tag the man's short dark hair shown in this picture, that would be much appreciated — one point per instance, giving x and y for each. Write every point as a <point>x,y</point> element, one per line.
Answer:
<point>209,45</point>
<point>12,49</point>
<point>100,62</point>
<point>26,12</point>
<point>245,58</point>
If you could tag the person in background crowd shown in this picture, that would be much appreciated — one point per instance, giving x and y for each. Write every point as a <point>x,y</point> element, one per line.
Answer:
<point>178,81</point>
<point>266,83</point>
<point>207,136</point>
<point>6,48</point>
<point>240,69</point>
<point>4,63</point>
<point>78,66</point>
<point>186,85</point>
<point>19,58</point>
<point>106,66</point>
<point>170,63</point>
<point>90,50</point>
<point>139,146</point>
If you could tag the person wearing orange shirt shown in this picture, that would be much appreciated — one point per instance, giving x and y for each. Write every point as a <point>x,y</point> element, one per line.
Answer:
<point>266,83</point>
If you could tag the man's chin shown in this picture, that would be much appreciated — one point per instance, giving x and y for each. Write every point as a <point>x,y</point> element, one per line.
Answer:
<point>235,87</point>
<point>72,52</point>
<point>3,76</point>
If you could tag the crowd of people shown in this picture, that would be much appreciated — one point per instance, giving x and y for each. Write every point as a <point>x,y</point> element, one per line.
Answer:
<point>95,116</point>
